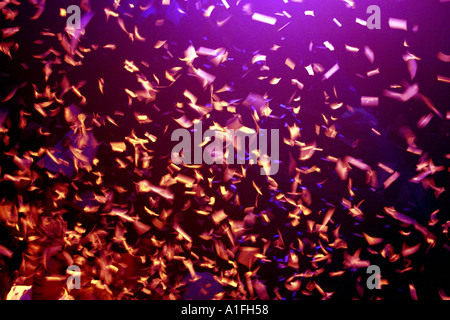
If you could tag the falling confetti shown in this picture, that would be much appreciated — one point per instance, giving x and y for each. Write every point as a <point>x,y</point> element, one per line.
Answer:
<point>89,118</point>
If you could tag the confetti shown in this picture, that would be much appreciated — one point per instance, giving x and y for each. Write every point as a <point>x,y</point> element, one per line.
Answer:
<point>330,72</point>
<point>87,177</point>
<point>391,179</point>
<point>369,54</point>
<point>337,22</point>
<point>289,63</point>
<point>400,24</point>
<point>369,101</point>
<point>443,78</point>
<point>443,57</point>
<point>264,19</point>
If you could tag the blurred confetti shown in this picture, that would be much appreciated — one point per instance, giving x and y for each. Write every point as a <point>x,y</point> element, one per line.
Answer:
<point>86,176</point>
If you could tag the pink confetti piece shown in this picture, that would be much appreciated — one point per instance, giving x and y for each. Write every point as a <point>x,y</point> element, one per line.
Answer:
<point>391,179</point>
<point>443,78</point>
<point>370,55</point>
<point>399,24</point>
<point>369,101</point>
<point>264,19</point>
<point>331,72</point>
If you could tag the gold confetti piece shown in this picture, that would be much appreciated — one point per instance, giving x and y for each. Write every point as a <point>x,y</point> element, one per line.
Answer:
<point>185,179</point>
<point>400,24</point>
<point>118,146</point>
<point>159,44</point>
<point>336,273</point>
<point>357,163</point>
<point>130,93</point>
<point>256,188</point>
<point>247,256</point>
<point>275,47</point>
<point>10,95</point>
<point>109,13</point>
<point>310,70</point>
<point>407,251</point>
<point>5,47</point>
<point>255,100</point>
<point>326,218</point>
<point>6,252</point>
<point>130,66</point>
<point>342,169</point>
<point>274,81</point>
<point>433,218</point>
<point>264,19</point>
<point>290,63</point>
<point>391,179</point>
<point>140,227</point>
<point>430,105</point>
<point>350,4</point>
<point>443,295</point>
<point>293,285</point>
<point>287,14</point>
<point>372,241</point>
<point>258,58</point>
<point>189,55</point>
<point>219,216</point>
<point>329,45</point>
<point>330,72</point>
<point>297,83</point>
<point>375,131</point>
<point>369,101</point>
<point>208,11</point>
<point>430,238</point>
<point>373,72</point>
<point>356,212</point>
<point>443,57</point>
<point>385,168</point>
<point>145,186</point>
<point>413,149</point>
<point>182,233</point>
<point>337,22</point>
<point>369,54</point>
<point>361,22</point>
<point>8,32</point>
<point>336,105</point>
<point>190,96</point>
<point>351,49</point>
<point>353,261</point>
<point>412,67</point>
<point>410,92</point>
<point>424,120</point>
<point>409,56</point>
<point>206,78</point>
<point>443,78</point>
<point>412,291</point>
<point>137,35</point>
<point>225,3</point>
<point>260,290</point>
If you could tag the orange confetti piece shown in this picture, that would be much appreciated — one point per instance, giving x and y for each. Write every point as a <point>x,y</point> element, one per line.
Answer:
<point>372,241</point>
<point>391,179</point>
<point>407,251</point>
